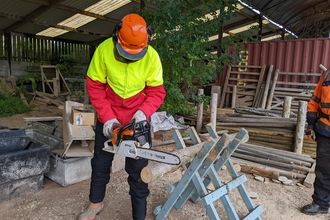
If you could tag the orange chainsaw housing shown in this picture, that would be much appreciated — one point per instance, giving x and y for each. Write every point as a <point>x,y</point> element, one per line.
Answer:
<point>127,132</point>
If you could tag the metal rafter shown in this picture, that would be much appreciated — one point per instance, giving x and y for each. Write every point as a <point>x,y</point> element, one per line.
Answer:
<point>41,10</point>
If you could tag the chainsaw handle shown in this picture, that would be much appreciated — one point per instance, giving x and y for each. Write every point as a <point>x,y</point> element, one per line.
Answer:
<point>139,128</point>
<point>121,130</point>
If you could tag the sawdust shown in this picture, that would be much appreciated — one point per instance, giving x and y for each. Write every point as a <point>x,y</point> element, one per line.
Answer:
<point>54,202</point>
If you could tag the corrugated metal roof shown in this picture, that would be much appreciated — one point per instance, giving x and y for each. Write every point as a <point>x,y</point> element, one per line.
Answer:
<point>298,16</point>
<point>32,16</point>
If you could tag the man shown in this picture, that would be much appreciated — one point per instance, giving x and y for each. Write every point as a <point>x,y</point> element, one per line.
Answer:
<point>318,116</point>
<point>124,82</point>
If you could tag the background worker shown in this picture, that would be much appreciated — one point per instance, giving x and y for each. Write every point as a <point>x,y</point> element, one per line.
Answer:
<point>318,118</point>
<point>124,82</point>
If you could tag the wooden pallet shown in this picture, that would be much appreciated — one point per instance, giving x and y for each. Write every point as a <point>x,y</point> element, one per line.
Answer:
<point>298,91</point>
<point>244,82</point>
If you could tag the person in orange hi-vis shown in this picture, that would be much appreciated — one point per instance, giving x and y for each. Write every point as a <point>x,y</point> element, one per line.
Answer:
<point>124,83</point>
<point>318,119</point>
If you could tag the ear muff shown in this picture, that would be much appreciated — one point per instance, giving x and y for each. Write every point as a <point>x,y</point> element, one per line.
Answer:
<point>114,32</point>
<point>149,33</point>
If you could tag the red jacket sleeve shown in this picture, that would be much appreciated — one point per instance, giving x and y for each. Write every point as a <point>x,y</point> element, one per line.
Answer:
<point>97,95</point>
<point>155,97</point>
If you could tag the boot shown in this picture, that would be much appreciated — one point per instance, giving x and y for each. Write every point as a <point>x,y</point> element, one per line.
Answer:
<point>313,209</point>
<point>92,210</point>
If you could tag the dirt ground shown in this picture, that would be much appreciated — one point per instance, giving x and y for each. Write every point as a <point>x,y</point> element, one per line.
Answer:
<point>53,201</point>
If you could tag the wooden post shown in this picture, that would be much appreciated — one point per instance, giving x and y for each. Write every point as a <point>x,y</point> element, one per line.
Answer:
<point>264,97</point>
<point>199,122</point>
<point>213,108</point>
<point>55,87</point>
<point>217,89</point>
<point>286,107</point>
<point>272,89</point>
<point>301,120</point>
<point>233,97</point>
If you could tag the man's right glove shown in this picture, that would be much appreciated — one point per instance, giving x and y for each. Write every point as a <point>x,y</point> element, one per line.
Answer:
<point>109,126</point>
<point>310,134</point>
<point>139,116</point>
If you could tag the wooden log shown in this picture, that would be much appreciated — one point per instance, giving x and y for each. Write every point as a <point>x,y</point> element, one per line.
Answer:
<point>257,124</point>
<point>287,107</point>
<point>301,157</point>
<point>213,109</point>
<point>265,95</point>
<point>249,167</point>
<point>264,131</point>
<point>300,127</point>
<point>51,100</point>
<point>261,119</point>
<point>39,99</point>
<point>271,163</point>
<point>199,113</point>
<point>272,89</point>
<point>288,142</point>
<point>274,157</point>
<point>156,170</point>
<point>259,171</point>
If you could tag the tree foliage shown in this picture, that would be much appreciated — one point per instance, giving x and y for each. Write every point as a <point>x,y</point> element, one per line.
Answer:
<point>180,33</point>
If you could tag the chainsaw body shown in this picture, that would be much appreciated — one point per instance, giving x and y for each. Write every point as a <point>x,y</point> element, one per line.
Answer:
<point>134,140</point>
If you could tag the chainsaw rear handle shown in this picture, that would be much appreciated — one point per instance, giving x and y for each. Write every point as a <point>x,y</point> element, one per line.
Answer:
<point>139,128</point>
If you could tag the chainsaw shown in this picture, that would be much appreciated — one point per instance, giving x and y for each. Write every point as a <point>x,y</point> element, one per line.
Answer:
<point>134,140</point>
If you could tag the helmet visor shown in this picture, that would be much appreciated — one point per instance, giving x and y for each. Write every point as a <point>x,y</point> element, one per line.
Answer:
<point>131,56</point>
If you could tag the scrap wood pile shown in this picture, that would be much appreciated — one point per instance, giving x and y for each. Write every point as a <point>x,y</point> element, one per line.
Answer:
<point>274,163</point>
<point>269,152</point>
<point>46,98</point>
<point>266,128</point>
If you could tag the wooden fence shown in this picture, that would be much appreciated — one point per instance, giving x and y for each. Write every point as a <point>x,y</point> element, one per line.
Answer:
<point>27,50</point>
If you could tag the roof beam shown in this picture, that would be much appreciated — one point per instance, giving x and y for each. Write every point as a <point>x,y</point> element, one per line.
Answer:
<point>91,14</point>
<point>70,29</point>
<point>324,5</point>
<point>75,10</point>
<point>41,10</point>
<point>251,18</point>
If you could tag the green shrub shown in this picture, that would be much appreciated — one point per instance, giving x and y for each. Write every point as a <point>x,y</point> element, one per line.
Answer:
<point>28,78</point>
<point>181,36</point>
<point>10,105</point>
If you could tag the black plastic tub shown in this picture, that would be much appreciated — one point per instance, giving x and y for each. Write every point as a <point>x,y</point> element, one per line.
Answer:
<point>23,162</point>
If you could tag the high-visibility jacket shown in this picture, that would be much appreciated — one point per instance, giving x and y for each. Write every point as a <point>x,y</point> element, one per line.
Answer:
<point>318,108</point>
<point>118,90</point>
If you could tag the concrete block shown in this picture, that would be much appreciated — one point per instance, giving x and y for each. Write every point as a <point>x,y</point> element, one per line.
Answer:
<point>68,171</point>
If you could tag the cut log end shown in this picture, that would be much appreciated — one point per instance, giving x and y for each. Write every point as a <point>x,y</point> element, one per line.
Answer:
<point>146,175</point>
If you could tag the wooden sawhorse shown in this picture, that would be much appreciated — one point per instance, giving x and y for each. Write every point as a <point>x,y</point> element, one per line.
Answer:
<point>202,171</point>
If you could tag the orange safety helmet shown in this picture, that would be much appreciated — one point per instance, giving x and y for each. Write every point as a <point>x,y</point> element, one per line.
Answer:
<point>131,37</point>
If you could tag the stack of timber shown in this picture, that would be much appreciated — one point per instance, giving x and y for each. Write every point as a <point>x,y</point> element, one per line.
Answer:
<point>273,163</point>
<point>266,129</point>
<point>282,85</point>
<point>46,98</point>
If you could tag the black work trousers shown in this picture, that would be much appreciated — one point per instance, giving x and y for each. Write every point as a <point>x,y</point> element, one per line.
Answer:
<point>321,194</point>
<point>101,163</point>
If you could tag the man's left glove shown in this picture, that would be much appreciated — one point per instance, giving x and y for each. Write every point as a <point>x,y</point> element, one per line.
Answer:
<point>310,134</point>
<point>109,126</point>
<point>139,116</point>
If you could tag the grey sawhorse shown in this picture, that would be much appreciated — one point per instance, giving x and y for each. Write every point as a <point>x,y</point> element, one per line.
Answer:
<point>202,171</point>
